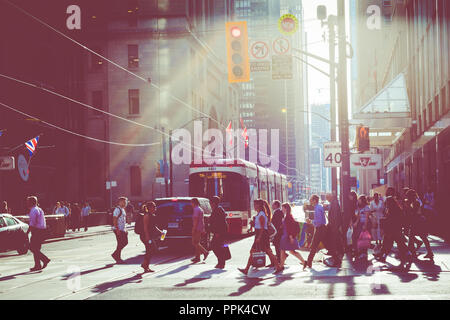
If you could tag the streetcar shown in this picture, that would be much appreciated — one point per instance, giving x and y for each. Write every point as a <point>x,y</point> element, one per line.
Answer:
<point>237,183</point>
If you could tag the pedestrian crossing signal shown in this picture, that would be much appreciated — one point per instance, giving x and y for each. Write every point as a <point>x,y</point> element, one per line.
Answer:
<point>362,138</point>
<point>237,51</point>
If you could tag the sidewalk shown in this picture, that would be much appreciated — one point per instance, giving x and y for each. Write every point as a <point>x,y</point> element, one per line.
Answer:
<point>92,231</point>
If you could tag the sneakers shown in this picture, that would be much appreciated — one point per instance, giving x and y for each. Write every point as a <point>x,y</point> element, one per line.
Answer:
<point>195,260</point>
<point>220,266</point>
<point>117,259</point>
<point>36,268</point>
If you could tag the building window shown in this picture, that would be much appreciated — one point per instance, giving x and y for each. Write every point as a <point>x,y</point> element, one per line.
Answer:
<point>133,56</point>
<point>97,102</point>
<point>133,101</point>
<point>135,181</point>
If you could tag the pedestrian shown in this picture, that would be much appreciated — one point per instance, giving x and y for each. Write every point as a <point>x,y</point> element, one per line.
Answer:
<point>68,215</point>
<point>361,224</point>
<point>119,222</point>
<point>219,228</point>
<point>37,228</point>
<point>394,220</point>
<point>277,221</point>
<point>85,212</point>
<point>198,229</point>
<point>376,214</point>
<point>429,207</point>
<point>350,213</point>
<point>129,209</point>
<point>417,223</point>
<point>4,208</point>
<point>290,233</point>
<point>150,233</point>
<point>335,236</point>
<point>320,231</point>
<point>262,241</point>
<point>76,217</point>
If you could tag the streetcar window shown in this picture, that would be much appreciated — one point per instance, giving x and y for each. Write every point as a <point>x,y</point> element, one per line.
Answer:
<point>232,188</point>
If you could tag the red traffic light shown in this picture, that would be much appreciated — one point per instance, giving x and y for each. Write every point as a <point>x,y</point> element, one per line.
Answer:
<point>235,32</point>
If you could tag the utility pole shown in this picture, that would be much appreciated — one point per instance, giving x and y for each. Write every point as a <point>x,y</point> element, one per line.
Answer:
<point>343,107</point>
<point>165,162</point>
<point>331,24</point>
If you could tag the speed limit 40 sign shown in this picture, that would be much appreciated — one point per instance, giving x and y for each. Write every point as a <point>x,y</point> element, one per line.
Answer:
<point>332,154</point>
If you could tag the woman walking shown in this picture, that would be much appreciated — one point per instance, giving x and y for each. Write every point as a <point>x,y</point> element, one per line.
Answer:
<point>289,238</point>
<point>417,223</point>
<point>262,242</point>
<point>361,224</point>
<point>376,211</point>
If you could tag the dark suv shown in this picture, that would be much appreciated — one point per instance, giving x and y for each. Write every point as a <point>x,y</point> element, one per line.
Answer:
<point>13,234</point>
<point>175,215</point>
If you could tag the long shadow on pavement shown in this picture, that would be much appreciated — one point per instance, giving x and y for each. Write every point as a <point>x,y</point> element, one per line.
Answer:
<point>13,276</point>
<point>249,284</point>
<point>205,275</point>
<point>68,276</point>
<point>103,287</point>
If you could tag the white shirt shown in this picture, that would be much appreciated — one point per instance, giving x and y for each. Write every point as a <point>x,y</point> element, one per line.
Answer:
<point>86,211</point>
<point>121,215</point>
<point>377,208</point>
<point>258,224</point>
<point>37,218</point>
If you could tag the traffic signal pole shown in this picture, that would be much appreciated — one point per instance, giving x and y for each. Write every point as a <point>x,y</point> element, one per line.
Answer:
<point>343,108</point>
<point>332,52</point>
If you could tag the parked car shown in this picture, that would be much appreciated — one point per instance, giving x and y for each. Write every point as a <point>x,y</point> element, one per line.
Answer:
<point>175,215</point>
<point>13,234</point>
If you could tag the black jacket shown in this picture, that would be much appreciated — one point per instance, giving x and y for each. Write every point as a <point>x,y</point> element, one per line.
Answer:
<point>218,221</point>
<point>277,221</point>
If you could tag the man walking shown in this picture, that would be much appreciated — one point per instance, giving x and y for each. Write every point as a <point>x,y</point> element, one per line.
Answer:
<point>37,228</point>
<point>277,221</point>
<point>198,228</point>
<point>119,220</point>
<point>219,228</point>
<point>85,212</point>
<point>320,231</point>
<point>335,230</point>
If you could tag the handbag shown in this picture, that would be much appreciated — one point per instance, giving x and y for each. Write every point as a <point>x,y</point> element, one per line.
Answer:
<point>364,240</point>
<point>350,236</point>
<point>258,259</point>
<point>226,252</point>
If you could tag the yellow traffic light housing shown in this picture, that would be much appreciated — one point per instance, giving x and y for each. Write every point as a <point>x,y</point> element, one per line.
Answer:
<point>237,51</point>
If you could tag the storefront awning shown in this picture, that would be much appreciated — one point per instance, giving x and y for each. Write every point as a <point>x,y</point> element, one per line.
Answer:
<point>389,109</point>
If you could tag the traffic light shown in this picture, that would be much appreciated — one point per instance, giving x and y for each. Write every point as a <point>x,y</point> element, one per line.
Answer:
<point>362,138</point>
<point>237,51</point>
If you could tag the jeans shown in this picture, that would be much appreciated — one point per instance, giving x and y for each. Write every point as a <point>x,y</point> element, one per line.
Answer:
<point>276,243</point>
<point>37,237</point>
<point>122,241</point>
<point>149,249</point>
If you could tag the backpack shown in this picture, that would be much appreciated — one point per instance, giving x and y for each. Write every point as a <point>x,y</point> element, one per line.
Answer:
<point>139,224</point>
<point>112,215</point>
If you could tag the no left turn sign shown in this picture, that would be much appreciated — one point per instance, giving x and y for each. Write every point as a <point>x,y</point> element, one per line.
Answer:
<point>259,50</point>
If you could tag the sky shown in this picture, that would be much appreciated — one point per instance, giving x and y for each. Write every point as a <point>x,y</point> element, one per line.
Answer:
<point>319,88</point>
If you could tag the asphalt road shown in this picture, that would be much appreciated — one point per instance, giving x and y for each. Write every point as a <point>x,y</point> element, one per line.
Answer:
<point>82,268</point>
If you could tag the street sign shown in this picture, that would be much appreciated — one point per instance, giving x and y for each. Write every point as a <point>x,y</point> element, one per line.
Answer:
<point>365,161</point>
<point>22,167</point>
<point>7,163</point>
<point>260,56</point>
<point>332,154</point>
<point>281,46</point>
<point>288,24</point>
<point>282,67</point>
<point>259,50</point>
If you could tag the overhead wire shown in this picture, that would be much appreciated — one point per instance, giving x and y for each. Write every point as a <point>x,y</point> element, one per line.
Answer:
<point>137,76</point>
